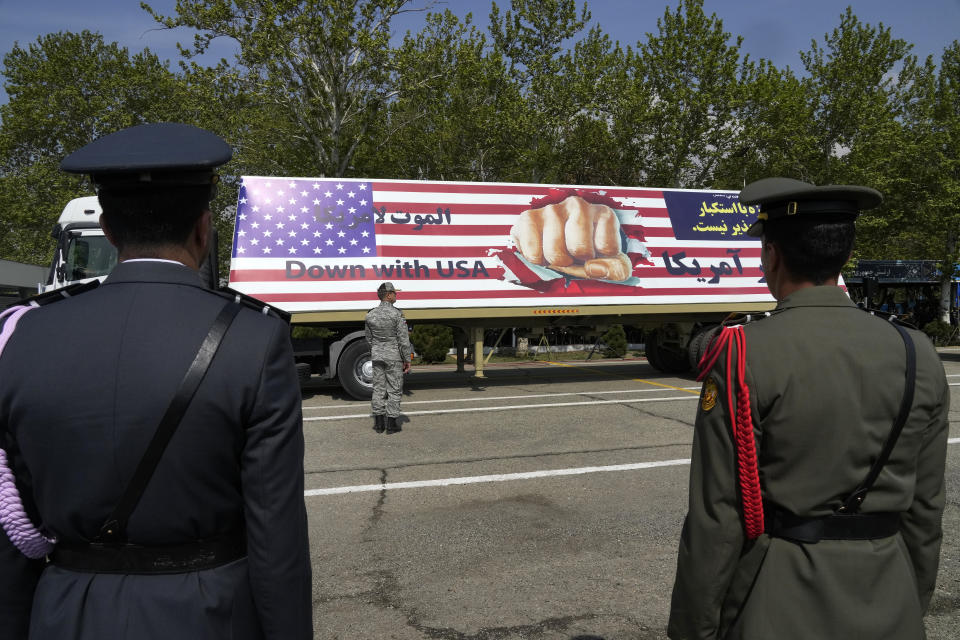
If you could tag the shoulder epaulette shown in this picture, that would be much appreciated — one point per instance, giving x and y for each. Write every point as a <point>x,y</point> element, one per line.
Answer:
<point>56,295</point>
<point>252,303</point>
<point>735,319</point>
<point>889,317</point>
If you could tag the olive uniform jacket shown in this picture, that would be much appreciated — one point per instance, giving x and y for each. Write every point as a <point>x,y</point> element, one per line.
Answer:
<point>85,383</point>
<point>826,380</point>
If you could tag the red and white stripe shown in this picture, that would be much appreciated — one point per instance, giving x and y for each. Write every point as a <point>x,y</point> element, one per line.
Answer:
<point>481,216</point>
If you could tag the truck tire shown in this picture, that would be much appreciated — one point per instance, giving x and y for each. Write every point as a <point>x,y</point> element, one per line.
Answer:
<point>355,370</point>
<point>699,343</point>
<point>650,350</point>
<point>666,358</point>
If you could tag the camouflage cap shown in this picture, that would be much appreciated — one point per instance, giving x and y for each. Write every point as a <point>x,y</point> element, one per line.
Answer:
<point>385,288</point>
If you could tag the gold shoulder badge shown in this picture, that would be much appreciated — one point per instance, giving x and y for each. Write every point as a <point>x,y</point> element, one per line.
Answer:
<point>710,393</point>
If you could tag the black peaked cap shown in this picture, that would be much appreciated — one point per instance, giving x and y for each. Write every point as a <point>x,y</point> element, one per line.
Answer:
<point>166,153</point>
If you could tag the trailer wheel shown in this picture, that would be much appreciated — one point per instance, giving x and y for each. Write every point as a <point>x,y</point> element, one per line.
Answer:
<point>650,350</point>
<point>699,343</point>
<point>355,370</point>
<point>666,357</point>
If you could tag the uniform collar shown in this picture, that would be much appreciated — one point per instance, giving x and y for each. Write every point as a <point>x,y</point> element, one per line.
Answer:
<point>154,271</point>
<point>823,296</point>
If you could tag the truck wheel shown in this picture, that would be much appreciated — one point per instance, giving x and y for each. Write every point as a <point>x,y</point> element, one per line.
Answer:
<point>664,357</point>
<point>699,343</point>
<point>650,350</point>
<point>355,370</point>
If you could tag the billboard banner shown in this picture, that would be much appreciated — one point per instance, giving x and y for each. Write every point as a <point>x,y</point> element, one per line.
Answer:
<point>325,244</point>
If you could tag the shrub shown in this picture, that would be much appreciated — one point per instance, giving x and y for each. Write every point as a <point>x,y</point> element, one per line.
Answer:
<point>614,342</point>
<point>939,331</point>
<point>432,341</point>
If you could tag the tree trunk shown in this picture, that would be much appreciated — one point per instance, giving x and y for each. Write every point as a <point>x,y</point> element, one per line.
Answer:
<point>945,298</point>
<point>946,279</point>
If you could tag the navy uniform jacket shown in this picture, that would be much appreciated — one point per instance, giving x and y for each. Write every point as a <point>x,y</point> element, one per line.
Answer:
<point>85,382</point>
<point>826,381</point>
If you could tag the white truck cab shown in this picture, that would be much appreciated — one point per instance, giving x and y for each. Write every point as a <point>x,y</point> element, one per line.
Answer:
<point>82,253</point>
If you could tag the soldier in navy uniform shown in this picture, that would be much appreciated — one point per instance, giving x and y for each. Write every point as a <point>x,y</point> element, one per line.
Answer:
<point>216,545</point>
<point>816,501</point>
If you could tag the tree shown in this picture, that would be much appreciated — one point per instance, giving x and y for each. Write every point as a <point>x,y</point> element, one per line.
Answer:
<point>66,90</point>
<point>432,341</point>
<point>683,98</point>
<point>614,342</point>
<point>531,36</point>
<point>856,94</point>
<point>455,113</point>
<point>930,222</point>
<point>772,128</point>
<point>324,66</point>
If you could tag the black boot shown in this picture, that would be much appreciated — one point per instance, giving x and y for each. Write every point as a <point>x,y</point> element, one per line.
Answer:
<point>392,426</point>
<point>378,423</point>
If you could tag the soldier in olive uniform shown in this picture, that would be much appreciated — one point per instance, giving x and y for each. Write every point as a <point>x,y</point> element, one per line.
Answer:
<point>824,385</point>
<point>390,352</point>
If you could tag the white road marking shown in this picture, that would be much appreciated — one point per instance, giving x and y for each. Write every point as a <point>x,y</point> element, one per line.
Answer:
<point>485,398</point>
<point>503,477</point>
<point>508,407</point>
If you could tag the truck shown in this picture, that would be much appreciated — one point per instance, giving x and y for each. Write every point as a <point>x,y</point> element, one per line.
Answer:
<point>476,257</point>
<point>481,256</point>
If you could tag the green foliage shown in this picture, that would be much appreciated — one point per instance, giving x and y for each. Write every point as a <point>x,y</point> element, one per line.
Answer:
<point>614,342</point>
<point>940,332</point>
<point>688,73</point>
<point>432,341</point>
<point>324,67</point>
<point>319,87</point>
<point>308,332</point>
<point>65,90</point>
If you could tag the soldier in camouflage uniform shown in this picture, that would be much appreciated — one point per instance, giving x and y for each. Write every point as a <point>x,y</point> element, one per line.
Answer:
<point>390,352</point>
<point>811,542</point>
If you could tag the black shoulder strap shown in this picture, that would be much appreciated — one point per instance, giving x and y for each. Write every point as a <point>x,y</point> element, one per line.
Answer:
<point>855,499</point>
<point>114,529</point>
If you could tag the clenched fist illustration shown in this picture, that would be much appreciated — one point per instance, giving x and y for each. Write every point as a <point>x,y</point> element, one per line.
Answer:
<point>574,237</point>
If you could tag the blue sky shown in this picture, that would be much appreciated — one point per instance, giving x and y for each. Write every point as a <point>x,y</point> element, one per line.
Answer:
<point>772,29</point>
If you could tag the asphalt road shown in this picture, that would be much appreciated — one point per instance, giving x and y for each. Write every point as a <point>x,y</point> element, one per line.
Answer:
<point>543,502</point>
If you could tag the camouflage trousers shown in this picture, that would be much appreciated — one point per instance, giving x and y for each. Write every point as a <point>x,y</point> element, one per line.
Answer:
<point>387,387</point>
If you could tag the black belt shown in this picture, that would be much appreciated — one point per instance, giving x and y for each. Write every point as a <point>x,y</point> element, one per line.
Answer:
<point>96,557</point>
<point>838,526</point>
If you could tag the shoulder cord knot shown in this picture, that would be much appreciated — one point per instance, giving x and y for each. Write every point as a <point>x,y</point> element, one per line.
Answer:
<point>13,518</point>
<point>738,401</point>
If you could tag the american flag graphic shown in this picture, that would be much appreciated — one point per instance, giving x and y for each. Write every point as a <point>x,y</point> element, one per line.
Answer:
<point>324,244</point>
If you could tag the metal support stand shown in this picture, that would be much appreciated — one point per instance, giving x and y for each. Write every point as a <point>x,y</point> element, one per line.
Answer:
<point>495,345</point>
<point>543,342</point>
<point>477,352</point>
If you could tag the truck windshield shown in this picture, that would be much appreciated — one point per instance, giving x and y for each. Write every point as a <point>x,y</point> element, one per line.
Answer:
<point>89,256</point>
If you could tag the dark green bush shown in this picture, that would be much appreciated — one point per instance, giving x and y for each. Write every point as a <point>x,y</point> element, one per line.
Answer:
<point>614,342</point>
<point>432,341</point>
<point>939,331</point>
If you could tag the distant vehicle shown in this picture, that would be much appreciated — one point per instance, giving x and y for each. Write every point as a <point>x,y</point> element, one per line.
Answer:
<point>82,252</point>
